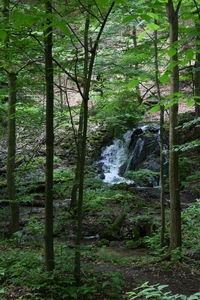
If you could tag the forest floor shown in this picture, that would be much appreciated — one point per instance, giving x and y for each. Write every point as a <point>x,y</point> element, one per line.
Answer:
<point>179,277</point>
<point>112,264</point>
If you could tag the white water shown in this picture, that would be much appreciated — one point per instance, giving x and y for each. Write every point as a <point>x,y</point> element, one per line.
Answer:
<point>113,157</point>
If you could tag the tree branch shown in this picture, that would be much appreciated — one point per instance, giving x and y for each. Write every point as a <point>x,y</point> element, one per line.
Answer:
<point>178,6</point>
<point>89,12</point>
<point>28,63</point>
<point>196,5</point>
<point>70,27</point>
<point>69,75</point>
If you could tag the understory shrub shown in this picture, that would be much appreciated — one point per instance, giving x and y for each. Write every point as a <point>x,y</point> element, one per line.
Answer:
<point>191,227</point>
<point>143,177</point>
<point>156,292</point>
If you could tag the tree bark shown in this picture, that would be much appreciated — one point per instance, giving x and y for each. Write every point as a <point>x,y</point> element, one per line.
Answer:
<point>162,189</point>
<point>14,207</point>
<point>82,154</point>
<point>75,187</point>
<point>197,71</point>
<point>49,247</point>
<point>11,156</point>
<point>138,94</point>
<point>175,207</point>
<point>89,58</point>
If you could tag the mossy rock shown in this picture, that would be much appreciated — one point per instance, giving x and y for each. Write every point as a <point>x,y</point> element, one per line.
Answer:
<point>142,226</point>
<point>113,230</point>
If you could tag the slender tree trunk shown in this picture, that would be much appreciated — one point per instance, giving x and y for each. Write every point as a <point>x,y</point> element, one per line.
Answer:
<point>175,207</point>
<point>12,77</point>
<point>82,154</point>
<point>14,207</point>
<point>49,249</point>
<point>89,57</point>
<point>162,182</point>
<point>197,71</point>
<point>75,187</point>
<point>61,92</point>
<point>162,190</point>
<point>139,98</point>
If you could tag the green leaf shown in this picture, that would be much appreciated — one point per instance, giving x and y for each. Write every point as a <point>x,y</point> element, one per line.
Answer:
<point>133,83</point>
<point>164,78</point>
<point>129,19</point>
<point>61,25</point>
<point>191,102</point>
<point>184,62</point>
<point>153,15</point>
<point>171,52</point>
<point>155,108</point>
<point>141,36</point>
<point>194,297</point>
<point>152,26</point>
<point>3,34</point>
<point>190,54</point>
<point>161,287</point>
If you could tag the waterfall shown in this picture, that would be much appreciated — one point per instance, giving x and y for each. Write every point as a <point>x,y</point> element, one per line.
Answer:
<point>113,157</point>
<point>138,149</point>
<point>136,153</point>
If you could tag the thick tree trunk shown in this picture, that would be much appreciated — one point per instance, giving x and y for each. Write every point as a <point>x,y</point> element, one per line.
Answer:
<point>197,71</point>
<point>175,207</point>
<point>14,207</point>
<point>49,250</point>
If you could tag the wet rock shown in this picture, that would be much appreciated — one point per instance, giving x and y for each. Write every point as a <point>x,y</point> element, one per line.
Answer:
<point>138,149</point>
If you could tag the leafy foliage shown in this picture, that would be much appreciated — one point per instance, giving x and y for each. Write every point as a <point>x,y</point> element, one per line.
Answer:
<point>156,291</point>
<point>121,113</point>
<point>143,177</point>
<point>191,227</point>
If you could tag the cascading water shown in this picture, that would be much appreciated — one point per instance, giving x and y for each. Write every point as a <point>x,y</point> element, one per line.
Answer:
<point>113,157</point>
<point>138,149</point>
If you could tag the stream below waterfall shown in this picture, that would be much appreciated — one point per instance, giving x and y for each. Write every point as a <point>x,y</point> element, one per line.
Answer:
<point>136,154</point>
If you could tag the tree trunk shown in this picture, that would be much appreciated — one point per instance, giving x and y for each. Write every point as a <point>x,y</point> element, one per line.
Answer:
<point>162,190</point>
<point>197,71</point>
<point>12,77</point>
<point>139,98</point>
<point>175,207</point>
<point>89,57</point>
<point>61,92</point>
<point>75,187</point>
<point>49,250</point>
<point>82,153</point>
<point>14,207</point>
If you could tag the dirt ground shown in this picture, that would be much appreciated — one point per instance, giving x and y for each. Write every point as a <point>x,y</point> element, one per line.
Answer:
<point>180,278</point>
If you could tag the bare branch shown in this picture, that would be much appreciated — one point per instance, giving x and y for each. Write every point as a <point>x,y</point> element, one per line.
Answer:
<point>89,12</point>
<point>74,79</point>
<point>70,27</point>
<point>197,7</point>
<point>96,43</point>
<point>178,6</point>
<point>98,9</point>
<point>71,117</point>
<point>30,62</point>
